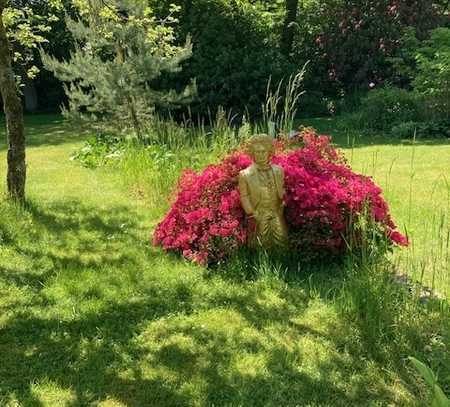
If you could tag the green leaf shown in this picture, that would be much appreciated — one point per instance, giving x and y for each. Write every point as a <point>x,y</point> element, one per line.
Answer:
<point>425,371</point>
<point>440,398</point>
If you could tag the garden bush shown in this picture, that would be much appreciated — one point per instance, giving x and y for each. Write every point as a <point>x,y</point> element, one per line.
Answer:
<point>386,107</point>
<point>326,205</point>
<point>426,66</point>
<point>237,46</point>
<point>405,130</point>
<point>315,104</point>
<point>428,129</point>
<point>433,76</point>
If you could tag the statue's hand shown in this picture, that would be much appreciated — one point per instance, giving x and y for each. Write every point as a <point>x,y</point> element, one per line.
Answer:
<point>254,214</point>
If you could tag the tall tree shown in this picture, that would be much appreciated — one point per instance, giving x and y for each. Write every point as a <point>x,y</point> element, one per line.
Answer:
<point>19,26</point>
<point>287,36</point>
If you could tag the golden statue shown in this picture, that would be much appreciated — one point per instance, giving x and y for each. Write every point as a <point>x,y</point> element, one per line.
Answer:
<point>261,188</point>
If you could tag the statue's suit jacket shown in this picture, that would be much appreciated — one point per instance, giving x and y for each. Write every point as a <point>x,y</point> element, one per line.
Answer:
<point>250,188</point>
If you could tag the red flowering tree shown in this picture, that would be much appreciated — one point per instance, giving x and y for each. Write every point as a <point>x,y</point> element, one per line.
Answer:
<point>350,42</point>
<point>324,202</point>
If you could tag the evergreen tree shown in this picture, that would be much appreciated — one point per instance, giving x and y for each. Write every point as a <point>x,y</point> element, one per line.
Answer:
<point>120,50</point>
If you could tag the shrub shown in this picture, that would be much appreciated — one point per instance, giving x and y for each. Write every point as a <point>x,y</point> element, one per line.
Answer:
<point>313,104</point>
<point>405,130</point>
<point>325,204</point>
<point>426,65</point>
<point>433,77</point>
<point>206,222</point>
<point>434,129</point>
<point>385,107</point>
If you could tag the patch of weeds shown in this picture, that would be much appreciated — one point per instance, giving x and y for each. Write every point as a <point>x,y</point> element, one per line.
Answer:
<point>99,150</point>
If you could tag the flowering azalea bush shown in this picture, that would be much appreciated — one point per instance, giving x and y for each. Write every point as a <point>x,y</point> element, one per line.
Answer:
<point>324,202</point>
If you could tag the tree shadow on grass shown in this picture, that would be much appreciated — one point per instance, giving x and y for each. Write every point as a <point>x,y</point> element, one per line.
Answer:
<point>106,355</point>
<point>388,324</point>
<point>46,130</point>
<point>160,346</point>
<point>81,355</point>
<point>66,238</point>
<point>241,364</point>
<point>118,354</point>
<point>71,234</point>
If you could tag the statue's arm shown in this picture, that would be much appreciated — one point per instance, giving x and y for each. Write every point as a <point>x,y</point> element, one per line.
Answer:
<point>281,181</point>
<point>244,195</point>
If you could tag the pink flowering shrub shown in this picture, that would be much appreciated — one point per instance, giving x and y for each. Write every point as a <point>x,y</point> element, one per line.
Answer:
<point>206,221</point>
<point>324,201</point>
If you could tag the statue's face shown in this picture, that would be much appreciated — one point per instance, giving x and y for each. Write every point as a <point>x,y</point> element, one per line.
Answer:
<point>260,154</point>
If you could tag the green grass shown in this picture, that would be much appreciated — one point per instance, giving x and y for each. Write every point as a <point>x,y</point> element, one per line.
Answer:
<point>91,314</point>
<point>415,178</point>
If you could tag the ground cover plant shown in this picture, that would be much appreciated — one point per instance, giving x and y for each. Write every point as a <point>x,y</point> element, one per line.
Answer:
<point>91,314</point>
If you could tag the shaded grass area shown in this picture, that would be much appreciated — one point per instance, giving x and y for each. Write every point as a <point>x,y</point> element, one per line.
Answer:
<point>91,314</point>
<point>120,324</point>
<point>42,130</point>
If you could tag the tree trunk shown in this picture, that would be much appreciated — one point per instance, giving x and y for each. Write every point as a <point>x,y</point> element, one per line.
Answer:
<point>120,57</point>
<point>287,36</point>
<point>12,105</point>
<point>134,118</point>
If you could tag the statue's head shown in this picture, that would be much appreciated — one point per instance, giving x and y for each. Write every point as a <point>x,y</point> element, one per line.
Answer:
<point>260,148</point>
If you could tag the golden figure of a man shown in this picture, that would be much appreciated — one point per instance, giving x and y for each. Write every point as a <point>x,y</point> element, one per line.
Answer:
<point>261,188</point>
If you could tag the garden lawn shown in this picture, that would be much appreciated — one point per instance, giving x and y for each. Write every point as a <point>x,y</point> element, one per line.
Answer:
<point>92,315</point>
<point>415,178</point>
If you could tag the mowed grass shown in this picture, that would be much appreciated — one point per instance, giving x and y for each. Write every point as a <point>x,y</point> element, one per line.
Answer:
<point>92,315</point>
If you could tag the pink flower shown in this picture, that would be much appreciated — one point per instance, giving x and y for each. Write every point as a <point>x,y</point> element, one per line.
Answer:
<point>398,238</point>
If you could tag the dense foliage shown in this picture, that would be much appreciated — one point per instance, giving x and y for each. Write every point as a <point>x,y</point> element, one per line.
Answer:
<point>238,46</point>
<point>433,72</point>
<point>386,107</point>
<point>349,44</point>
<point>350,41</point>
<point>423,108</point>
<point>27,25</point>
<point>235,51</point>
<point>99,150</point>
<point>325,205</point>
